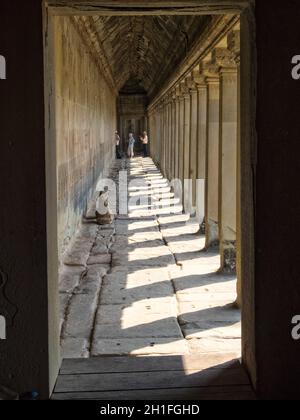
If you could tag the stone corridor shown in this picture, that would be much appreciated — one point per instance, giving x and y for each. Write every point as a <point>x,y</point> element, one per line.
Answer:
<point>144,285</point>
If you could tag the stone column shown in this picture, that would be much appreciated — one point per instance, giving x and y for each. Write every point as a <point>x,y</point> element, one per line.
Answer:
<point>173,143</point>
<point>233,42</point>
<point>228,159</point>
<point>181,138</point>
<point>161,132</point>
<point>193,144</point>
<point>163,139</point>
<point>177,130</point>
<point>200,81</point>
<point>166,170</point>
<point>158,134</point>
<point>169,141</point>
<point>186,147</point>
<point>212,152</point>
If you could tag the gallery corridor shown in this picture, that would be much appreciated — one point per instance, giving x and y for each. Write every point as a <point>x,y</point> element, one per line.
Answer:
<point>194,292</point>
<point>148,290</point>
<point>146,286</point>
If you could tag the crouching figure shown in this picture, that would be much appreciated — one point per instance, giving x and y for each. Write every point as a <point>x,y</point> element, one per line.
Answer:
<point>104,215</point>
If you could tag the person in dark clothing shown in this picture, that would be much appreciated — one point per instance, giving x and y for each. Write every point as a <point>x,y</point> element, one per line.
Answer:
<point>117,141</point>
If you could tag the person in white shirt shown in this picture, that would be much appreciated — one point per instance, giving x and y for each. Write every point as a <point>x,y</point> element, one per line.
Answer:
<point>131,142</point>
<point>145,142</point>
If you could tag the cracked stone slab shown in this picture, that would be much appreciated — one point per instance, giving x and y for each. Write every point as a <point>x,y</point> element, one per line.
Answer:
<point>75,348</point>
<point>211,329</point>
<point>99,259</point>
<point>81,315</point>
<point>79,250</point>
<point>139,346</point>
<point>64,299</point>
<point>215,345</point>
<point>186,282</point>
<point>92,281</point>
<point>191,312</point>
<point>208,299</point>
<point>115,293</point>
<point>69,277</point>
<point>167,327</point>
<point>127,278</point>
<point>137,313</point>
<point>160,257</point>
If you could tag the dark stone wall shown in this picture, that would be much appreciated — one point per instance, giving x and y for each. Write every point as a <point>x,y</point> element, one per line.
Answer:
<point>23,253</point>
<point>277,295</point>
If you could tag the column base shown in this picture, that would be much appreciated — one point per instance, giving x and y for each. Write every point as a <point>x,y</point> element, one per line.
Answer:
<point>202,230</point>
<point>228,256</point>
<point>212,234</point>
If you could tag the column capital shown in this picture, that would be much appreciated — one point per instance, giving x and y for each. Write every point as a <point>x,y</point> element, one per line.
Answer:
<point>223,58</point>
<point>191,85</point>
<point>167,99</point>
<point>211,72</point>
<point>199,79</point>
<point>177,93</point>
<point>174,95</point>
<point>185,91</point>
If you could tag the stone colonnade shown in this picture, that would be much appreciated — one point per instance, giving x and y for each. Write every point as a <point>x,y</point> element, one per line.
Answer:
<point>194,138</point>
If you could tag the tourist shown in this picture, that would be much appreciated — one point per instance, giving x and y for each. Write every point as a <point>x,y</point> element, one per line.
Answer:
<point>117,142</point>
<point>131,143</point>
<point>145,141</point>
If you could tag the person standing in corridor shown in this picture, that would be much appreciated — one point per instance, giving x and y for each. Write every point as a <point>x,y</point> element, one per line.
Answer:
<point>131,142</point>
<point>117,142</point>
<point>145,142</point>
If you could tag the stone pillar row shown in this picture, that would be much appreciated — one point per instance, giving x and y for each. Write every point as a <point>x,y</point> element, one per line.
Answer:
<point>198,143</point>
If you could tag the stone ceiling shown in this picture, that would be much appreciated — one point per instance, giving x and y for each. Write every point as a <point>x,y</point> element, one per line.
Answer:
<point>142,51</point>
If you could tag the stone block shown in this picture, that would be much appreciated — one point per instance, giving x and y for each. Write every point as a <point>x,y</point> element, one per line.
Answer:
<point>139,346</point>
<point>75,348</point>
<point>81,315</point>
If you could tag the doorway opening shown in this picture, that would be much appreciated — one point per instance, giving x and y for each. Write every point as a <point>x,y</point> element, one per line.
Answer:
<point>155,289</point>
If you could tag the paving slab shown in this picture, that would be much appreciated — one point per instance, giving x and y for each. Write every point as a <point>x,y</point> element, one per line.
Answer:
<point>75,348</point>
<point>140,346</point>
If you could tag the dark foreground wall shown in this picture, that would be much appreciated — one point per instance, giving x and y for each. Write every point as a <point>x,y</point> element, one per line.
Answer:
<point>278,199</point>
<point>23,254</point>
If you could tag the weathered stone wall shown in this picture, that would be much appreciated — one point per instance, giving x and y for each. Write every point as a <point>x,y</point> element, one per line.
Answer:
<point>85,125</point>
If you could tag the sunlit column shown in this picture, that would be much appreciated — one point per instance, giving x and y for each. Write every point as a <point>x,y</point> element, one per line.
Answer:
<point>228,158</point>
<point>212,167</point>
<point>186,145</point>
<point>200,81</point>
<point>233,41</point>
<point>173,140</point>
<point>193,145</point>
<point>163,145</point>
<point>181,137</point>
<point>177,130</point>
<point>169,140</point>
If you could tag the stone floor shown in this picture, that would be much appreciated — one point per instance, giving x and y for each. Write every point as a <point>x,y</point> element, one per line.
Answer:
<point>143,286</point>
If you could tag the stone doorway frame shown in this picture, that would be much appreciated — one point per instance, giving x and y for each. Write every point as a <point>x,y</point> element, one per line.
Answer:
<point>246,152</point>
